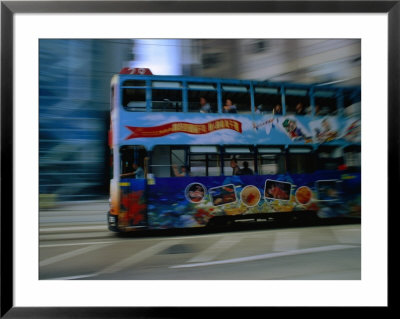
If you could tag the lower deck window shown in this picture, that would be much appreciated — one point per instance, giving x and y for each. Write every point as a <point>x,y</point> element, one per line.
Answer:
<point>269,164</point>
<point>352,157</point>
<point>171,161</point>
<point>133,159</point>
<point>300,160</point>
<point>204,165</point>
<point>210,160</point>
<point>244,162</point>
<point>329,158</point>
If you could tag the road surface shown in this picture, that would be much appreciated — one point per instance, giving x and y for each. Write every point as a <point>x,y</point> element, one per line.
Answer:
<point>75,244</point>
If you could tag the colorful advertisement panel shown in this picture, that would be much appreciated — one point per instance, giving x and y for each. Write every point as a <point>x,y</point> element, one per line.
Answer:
<point>223,195</point>
<point>169,204</point>
<point>277,190</point>
<point>194,129</point>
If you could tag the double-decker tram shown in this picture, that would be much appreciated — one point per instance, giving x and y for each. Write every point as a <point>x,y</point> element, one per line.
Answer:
<point>193,151</point>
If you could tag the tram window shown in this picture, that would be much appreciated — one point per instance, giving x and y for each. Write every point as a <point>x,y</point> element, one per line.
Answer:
<point>165,157</point>
<point>178,156</point>
<point>161,161</point>
<point>329,157</point>
<point>352,157</point>
<point>352,103</point>
<point>300,160</point>
<point>164,100</point>
<point>238,96</point>
<point>201,160</point>
<point>353,109</point>
<point>166,84</point>
<point>134,99</point>
<point>198,165</point>
<point>265,99</point>
<point>134,83</point>
<point>325,103</point>
<point>271,161</point>
<point>214,165</point>
<point>297,101</point>
<point>241,155</point>
<point>204,164</point>
<point>133,154</point>
<point>205,91</point>
<point>204,149</point>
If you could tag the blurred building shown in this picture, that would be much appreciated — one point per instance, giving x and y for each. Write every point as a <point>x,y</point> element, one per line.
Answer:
<point>294,60</point>
<point>74,85</point>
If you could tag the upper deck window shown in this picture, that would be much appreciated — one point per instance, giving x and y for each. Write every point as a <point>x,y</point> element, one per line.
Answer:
<point>202,97</point>
<point>134,95</point>
<point>265,99</point>
<point>325,102</point>
<point>134,99</point>
<point>297,101</point>
<point>236,99</point>
<point>166,96</point>
<point>134,83</point>
<point>201,86</point>
<point>166,84</point>
<point>353,109</point>
<point>352,103</point>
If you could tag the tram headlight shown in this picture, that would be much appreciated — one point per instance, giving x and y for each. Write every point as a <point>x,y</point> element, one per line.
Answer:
<point>112,220</point>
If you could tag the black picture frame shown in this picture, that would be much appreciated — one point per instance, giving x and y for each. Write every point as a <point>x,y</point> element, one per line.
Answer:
<point>9,8</point>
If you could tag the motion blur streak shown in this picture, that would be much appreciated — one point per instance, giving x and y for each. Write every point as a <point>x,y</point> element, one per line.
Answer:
<point>268,256</point>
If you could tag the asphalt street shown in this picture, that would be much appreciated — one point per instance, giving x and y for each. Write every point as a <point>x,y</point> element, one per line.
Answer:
<point>76,244</point>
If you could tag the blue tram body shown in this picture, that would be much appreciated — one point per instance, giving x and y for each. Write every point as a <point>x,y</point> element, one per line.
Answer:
<point>298,163</point>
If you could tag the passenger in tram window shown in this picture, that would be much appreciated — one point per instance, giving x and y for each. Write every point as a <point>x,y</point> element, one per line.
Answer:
<point>138,172</point>
<point>229,107</point>
<point>277,110</point>
<point>184,171</point>
<point>246,170</point>
<point>300,109</point>
<point>205,107</point>
<point>235,167</point>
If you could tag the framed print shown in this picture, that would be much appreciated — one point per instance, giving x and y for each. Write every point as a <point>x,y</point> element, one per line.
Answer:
<point>188,144</point>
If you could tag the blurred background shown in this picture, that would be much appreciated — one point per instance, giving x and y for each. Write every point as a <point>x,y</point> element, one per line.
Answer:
<point>74,91</point>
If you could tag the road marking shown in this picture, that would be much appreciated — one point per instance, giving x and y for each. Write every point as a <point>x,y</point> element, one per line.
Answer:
<point>268,256</point>
<point>138,257</point>
<point>219,247</point>
<point>70,254</point>
<point>286,241</point>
